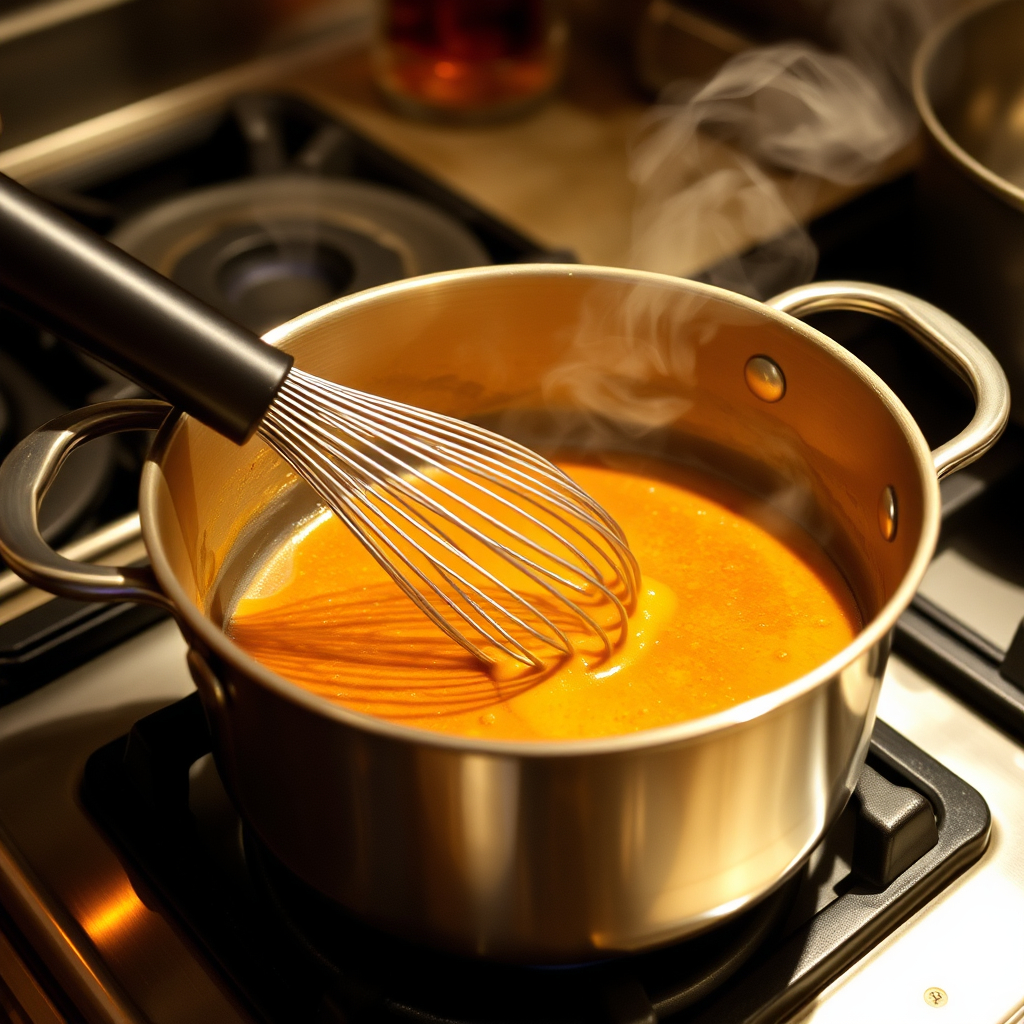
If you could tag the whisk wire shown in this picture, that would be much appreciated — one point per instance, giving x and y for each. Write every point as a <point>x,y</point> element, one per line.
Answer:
<point>349,511</point>
<point>529,494</point>
<point>412,470</point>
<point>382,411</point>
<point>344,507</point>
<point>464,434</point>
<point>438,536</point>
<point>403,479</point>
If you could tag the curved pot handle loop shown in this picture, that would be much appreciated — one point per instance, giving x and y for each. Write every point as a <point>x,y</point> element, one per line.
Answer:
<point>25,476</point>
<point>956,346</point>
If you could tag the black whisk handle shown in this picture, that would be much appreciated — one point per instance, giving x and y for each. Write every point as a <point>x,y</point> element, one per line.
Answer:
<point>133,318</point>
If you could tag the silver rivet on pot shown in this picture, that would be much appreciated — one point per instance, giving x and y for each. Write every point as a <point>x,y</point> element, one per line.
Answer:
<point>887,513</point>
<point>765,378</point>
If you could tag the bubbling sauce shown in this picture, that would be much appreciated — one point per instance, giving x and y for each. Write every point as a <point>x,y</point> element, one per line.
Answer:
<point>736,601</point>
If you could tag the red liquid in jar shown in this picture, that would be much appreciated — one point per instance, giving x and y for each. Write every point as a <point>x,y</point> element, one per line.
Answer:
<point>465,56</point>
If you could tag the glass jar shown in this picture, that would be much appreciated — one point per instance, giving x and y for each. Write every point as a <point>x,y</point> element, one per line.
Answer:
<point>468,60</point>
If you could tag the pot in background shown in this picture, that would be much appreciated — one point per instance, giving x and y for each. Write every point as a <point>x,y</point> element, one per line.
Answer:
<point>548,852</point>
<point>968,83</point>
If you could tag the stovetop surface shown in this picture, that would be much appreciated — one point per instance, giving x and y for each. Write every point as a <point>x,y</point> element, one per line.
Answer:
<point>107,925</point>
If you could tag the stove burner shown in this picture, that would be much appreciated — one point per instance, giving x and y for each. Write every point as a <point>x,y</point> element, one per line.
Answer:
<point>263,250</point>
<point>266,276</point>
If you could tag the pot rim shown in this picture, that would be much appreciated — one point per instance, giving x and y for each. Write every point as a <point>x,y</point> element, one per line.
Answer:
<point>690,730</point>
<point>923,59</point>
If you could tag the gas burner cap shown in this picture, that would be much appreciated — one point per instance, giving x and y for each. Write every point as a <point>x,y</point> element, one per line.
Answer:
<point>263,250</point>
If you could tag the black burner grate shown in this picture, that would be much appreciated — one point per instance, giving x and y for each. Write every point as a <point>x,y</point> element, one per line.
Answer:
<point>291,955</point>
<point>981,675</point>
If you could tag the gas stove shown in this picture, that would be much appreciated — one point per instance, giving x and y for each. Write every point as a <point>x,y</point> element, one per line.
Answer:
<point>131,891</point>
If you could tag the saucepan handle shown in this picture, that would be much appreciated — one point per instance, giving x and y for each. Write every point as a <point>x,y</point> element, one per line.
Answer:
<point>956,346</point>
<point>24,478</point>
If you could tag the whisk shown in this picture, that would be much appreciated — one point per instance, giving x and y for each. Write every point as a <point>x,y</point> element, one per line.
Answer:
<point>495,544</point>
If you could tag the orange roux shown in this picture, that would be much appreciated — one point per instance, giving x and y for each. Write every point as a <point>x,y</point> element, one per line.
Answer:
<point>730,608</point>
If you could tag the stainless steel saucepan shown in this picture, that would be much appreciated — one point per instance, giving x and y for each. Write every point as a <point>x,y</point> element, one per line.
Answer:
<point>968,82</point>
<point>548,851</point>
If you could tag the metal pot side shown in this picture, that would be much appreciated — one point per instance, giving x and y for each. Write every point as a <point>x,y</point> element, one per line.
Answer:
<point>558,852</point>
<point>968,84</point>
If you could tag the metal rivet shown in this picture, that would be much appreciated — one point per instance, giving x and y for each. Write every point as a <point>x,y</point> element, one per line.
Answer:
<point>888,513</point>
<point>765,378</point>
<point>935,996</point>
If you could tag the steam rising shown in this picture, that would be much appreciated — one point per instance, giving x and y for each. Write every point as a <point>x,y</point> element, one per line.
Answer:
<point>720,167</point>
<point>622,353</point>
<point>702,158</point>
